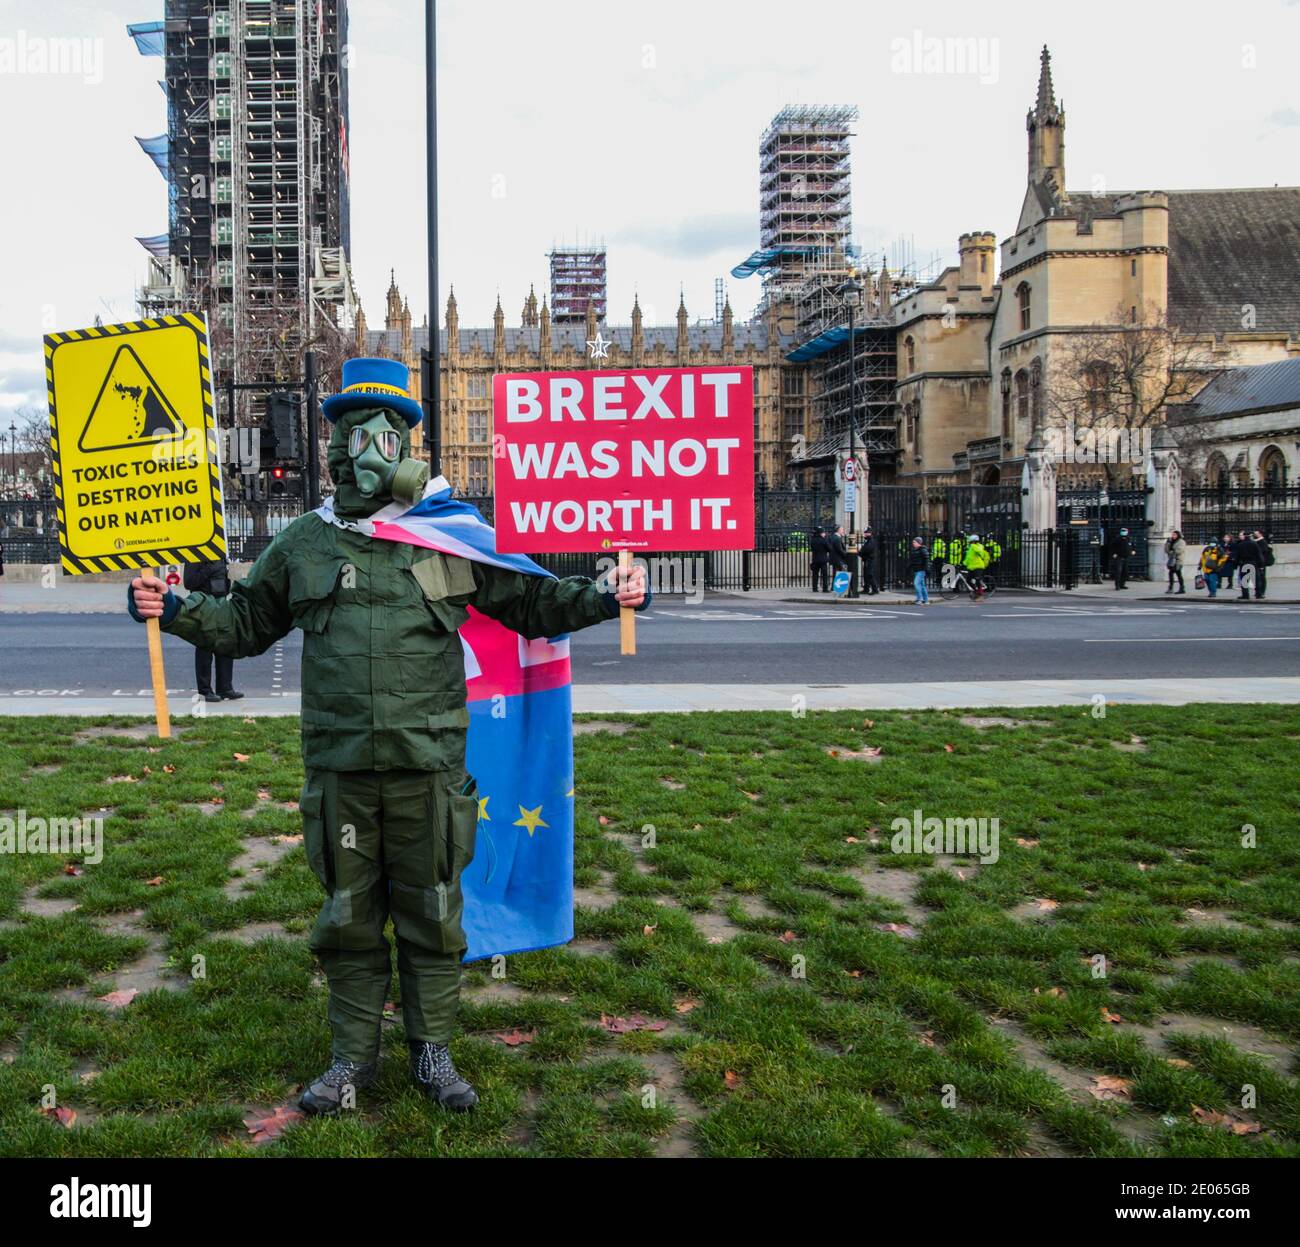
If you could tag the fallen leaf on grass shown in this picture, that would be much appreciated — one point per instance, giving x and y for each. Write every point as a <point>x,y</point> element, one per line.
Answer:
<point>753,796</point>
<point>867,751</point>
<point>241,757</point>
<point>248,720</point>
<point>294,839</point>
<point>787,937</point>
<point>854,974</point>
<point>685,1006</point>
<point>603,821</point>
<point>119,1000</point>
<point>1026,844</point>
<point>72,869</point>
<point>1178,1062</point>
<point>1108,1016</point>
<point>512,1039</point>
<point>263,794</point>
<point>155,882</point>
<point>64,1116</point>
<point>715,939</point>
<point>649,930</point>
<point>852,840</point>
<point>948,749</point>
<point>868,723</point>
<point>1044,904</point>
<point>1108,1087</point>
<point>263,1127</point>
<point>1225,1121</point>
<point>169,768</point>
<point>927,1038</point>
<point>1055,992</point>
<point>625,1026</point>
<point>900,929</point>
<point>731,1079</point>
<point>122,779</point>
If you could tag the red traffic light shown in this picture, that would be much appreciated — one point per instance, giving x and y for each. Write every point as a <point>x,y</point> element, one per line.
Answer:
<point>277,474</point>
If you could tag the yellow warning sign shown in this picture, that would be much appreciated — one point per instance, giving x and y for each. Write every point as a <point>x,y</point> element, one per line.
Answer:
<point>137,478</point>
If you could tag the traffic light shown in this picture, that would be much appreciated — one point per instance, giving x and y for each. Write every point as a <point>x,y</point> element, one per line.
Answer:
<point>281,441</point>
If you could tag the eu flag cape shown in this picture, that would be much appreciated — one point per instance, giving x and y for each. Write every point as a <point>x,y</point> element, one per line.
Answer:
<point>519,887</point>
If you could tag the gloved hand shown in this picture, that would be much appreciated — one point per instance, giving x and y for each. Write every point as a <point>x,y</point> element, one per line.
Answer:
<point>148,598</point>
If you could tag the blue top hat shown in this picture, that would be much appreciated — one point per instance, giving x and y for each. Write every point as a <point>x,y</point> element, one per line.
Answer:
<point>374,383</point>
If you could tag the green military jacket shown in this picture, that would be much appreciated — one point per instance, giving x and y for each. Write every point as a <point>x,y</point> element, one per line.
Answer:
<point>383,672</point>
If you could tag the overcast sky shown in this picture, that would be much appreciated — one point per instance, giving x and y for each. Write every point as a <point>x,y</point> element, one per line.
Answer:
<point>638,124</point>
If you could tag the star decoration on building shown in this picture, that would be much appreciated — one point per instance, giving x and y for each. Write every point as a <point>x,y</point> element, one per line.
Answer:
<point>530,820</point>
<point>599,346</point>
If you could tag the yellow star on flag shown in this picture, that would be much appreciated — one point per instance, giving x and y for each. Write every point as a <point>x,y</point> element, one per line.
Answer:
<point>484,816</point>
<point>530,820</point>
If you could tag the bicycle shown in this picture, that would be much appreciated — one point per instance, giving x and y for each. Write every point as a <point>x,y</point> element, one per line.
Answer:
<point>955,580</point>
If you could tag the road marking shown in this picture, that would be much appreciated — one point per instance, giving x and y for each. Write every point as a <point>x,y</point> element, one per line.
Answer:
<point>1136,640</point>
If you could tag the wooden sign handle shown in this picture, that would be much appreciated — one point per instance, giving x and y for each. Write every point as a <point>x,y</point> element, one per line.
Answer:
<point>159,677</point>
<point>626,615</point>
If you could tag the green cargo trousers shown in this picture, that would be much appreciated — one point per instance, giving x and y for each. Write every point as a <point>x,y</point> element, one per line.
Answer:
<point>389,843</point>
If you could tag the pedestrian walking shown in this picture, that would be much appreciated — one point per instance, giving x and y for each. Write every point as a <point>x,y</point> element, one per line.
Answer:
<point>212,578</point>
<point>918,565</point>
<point>821,558</point>
<point>1121,550</point>
<point>1211,567</point>
<point>1175,548</point>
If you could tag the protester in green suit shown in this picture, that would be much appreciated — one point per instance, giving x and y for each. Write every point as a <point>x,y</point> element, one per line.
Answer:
<point>389,812</point>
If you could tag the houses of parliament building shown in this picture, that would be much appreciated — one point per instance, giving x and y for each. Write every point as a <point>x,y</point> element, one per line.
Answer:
<point>969,356</point>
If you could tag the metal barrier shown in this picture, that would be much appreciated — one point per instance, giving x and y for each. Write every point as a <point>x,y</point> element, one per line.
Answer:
<point>1211,512</point>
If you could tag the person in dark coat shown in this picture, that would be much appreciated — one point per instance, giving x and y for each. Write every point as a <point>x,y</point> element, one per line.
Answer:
<point>1121,550</point>
<point>868,552</point>
<point>212,578</point>
<point>1249,555</point>
<point>839,552</point>
<point>821,557</point>
<point>1265,562</point>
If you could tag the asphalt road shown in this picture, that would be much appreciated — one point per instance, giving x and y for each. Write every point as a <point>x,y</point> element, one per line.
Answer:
<point>728,640</point>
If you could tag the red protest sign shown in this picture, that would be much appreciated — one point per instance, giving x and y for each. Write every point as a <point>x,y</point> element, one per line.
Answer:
<point>641,459</point>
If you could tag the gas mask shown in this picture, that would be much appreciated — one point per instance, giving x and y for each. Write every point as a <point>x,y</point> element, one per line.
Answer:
<point>378,468</point>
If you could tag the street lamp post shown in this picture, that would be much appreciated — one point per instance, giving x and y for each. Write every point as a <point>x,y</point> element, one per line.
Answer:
<point>13,456</point>
<point>849,293</point>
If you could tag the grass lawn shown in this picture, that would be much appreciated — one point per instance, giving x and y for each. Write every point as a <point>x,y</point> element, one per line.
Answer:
<point>767,977</point>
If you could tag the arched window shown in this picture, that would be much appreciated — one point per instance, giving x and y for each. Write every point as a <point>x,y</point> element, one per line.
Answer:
<point>1022,396</point>
<point>1216,470</point>
<point>1006,404</point>
<point>1022,299</point>
<point>909,347</point>
<point>1272,468</point>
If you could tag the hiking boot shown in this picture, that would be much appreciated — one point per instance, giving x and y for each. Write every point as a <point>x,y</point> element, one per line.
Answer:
<point>436,1076</point>
<point>324,1097</point>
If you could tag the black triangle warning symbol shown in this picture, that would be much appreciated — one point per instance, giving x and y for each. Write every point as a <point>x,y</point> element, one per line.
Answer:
<point>130,409</point>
